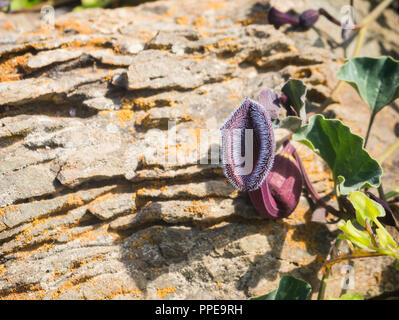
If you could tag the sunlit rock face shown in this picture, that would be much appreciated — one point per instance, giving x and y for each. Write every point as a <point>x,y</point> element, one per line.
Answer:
<point>90,206</point>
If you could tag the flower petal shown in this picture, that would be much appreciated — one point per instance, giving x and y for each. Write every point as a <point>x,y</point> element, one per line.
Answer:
<point>279,194</point>
<point>249,128</point>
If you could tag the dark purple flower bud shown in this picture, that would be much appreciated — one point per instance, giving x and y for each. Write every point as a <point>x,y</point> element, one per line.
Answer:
<point>388,219</point>
<point>279,194</point>
<point>248,146</point>
<point>308,18</point>
<point>286,104</point>
<point>278,18</point>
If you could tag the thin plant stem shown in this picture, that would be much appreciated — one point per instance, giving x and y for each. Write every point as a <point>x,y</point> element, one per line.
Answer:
<point>352,256</point>
<point>326,275</point>
<point>335,245</point>
<point>369,129</point>
<point>316,197</point>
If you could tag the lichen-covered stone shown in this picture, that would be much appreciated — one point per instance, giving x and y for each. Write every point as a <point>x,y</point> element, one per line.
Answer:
<point>90,208</point>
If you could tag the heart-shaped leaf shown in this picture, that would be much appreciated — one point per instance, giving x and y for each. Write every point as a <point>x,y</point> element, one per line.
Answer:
<point>289,288</point>
<point>375,79</point>
<point>352,167</point>
<point>295,91</point>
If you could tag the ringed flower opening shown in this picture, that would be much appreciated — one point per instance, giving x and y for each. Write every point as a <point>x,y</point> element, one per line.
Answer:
<point>248,145</point>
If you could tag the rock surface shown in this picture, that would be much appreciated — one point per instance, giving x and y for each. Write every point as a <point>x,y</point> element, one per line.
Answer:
<point>92,206</point>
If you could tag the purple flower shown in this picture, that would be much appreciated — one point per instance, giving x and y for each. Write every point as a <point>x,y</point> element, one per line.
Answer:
<point>274,182</point>
<point>278,18</point>
<point>308,18</point>
<point>279,194</point>
<point>249,128</point>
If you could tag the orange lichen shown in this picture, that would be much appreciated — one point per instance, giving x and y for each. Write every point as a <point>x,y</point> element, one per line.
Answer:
<point>165,291</point>
<point>10,70</point>
<point>71,284</point>
<point>28,292</point>
<point>182,20</point>
<point>80,27</point>
<point>124,291</point>
<point>215,5</point>
<point>125,115</point>
<point>198,22</point>
<point>8,26</point>
<point>198,209</point>
<point>2,270</point>
<point>74,200</point>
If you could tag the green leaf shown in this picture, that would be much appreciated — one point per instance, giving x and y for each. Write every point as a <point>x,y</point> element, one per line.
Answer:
<point>375,79</point>
<point>23,4</point>
<point>397,265</point>
<point>365,208</point>
<point>95,3</point>
<point>351,296</point>
<point>357,237</point>
<point>289,288</point>
<point>352,167</point>
<point>295,91</point>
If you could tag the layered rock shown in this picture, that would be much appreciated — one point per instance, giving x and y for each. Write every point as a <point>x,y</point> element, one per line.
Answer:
<point>91,206</point>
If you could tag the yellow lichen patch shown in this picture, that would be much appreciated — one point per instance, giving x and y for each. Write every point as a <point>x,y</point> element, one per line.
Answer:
<point>171,12</point>
<point>2,270</point>
<point>125,115</point>
<point>80,27</point>
<point>165,291</point>
<point>74,200</point>
<point>10,69</point>
<point>198,209</point>
<point>146,104</point>
<point>182,20</point>
<point>8,26</point>
<point>8,209</point>
<point>28,292</point>
<point>72,284</point>
<point>198,22</point>
<point>219,284</point>
<point>124,291</point>
<point>215,5</point>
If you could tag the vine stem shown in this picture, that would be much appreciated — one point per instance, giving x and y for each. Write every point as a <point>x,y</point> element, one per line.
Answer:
<point>316,197</point>
<point>326,275</point>
<point>369,129</point>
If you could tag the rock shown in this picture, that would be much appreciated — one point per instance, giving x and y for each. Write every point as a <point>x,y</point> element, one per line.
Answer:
<point>45,58</point>
<point>97,199</point>
<point>112,206</point>
<point>154,69</point>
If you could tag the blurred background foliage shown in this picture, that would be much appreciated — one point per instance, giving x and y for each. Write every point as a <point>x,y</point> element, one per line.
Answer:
<point>21,5</point>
